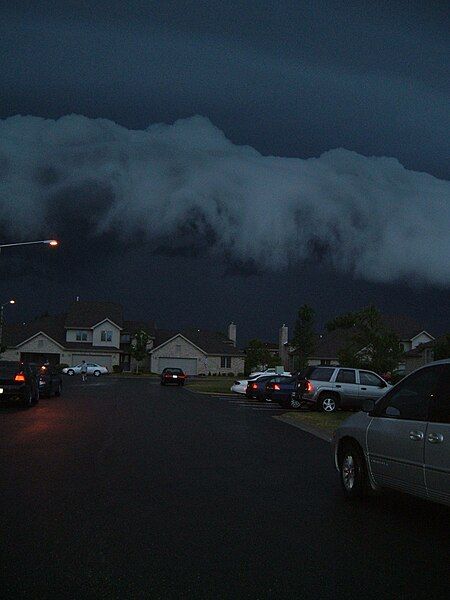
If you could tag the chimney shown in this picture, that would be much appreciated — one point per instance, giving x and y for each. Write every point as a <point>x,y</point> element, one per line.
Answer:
<point>232,332</point>
<point>283,338</point>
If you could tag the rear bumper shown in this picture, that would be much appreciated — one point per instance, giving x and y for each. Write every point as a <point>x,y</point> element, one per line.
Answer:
<point>14,393</point>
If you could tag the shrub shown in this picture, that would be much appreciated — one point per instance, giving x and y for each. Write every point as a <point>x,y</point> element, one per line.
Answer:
<point>117,368</point>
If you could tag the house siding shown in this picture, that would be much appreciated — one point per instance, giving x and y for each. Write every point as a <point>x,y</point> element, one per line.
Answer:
<point>106,326</point>
<point>178,348</point>
<point>71,335</point>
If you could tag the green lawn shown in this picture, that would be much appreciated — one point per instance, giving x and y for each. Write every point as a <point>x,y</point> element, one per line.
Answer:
<point>327,421</point>
<point>218,385</point>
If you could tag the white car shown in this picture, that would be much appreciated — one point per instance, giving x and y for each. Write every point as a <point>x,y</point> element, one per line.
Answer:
<point>92,369</point>
<point>240,385</point>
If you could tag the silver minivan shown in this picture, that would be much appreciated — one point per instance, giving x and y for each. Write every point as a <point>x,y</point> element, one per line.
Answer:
<point>402,441</point>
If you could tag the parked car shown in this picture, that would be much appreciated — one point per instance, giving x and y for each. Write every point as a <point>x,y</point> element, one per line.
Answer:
<point>92,369</point>
<point>49,380</point>
<point>402,441</point>
<point>173,375</point>
<point>18,382</point>
<point>256,388</point>
<point>240,385</point>
<point>330,388</point>
<point>279,389</point>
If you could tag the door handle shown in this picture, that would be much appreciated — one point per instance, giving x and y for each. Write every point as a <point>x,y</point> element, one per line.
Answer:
<point>416,436</point>
<point>435,438</point>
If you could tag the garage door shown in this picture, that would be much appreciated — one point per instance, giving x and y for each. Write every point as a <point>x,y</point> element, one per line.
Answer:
<point>189,365</point>
<point>104,361</point>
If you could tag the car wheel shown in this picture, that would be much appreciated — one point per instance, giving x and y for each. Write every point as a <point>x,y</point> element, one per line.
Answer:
<point>328,403</point>
<point>353,472</point>
<point>97,373</point>
<point>58,390</point>
<point>70,372</point>
<point>28,401</point>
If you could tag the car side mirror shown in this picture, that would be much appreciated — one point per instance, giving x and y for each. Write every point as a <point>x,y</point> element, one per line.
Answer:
<point>368,406</point>
<point>391,411</point>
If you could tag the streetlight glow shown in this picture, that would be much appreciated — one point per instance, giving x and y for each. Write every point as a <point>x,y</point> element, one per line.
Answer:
<point>12,301</point>
<point>52,242</point>
<point>48,242</point>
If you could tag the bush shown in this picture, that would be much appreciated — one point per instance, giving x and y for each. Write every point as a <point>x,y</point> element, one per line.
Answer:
<point>117,368</point>
<point>61,366</point>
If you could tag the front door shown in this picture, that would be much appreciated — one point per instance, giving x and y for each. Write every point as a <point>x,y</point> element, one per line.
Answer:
<point>396,434</point>
<point>437,442</point>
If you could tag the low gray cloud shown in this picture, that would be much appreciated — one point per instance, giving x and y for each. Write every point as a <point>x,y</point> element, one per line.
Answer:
<point>187,188</point>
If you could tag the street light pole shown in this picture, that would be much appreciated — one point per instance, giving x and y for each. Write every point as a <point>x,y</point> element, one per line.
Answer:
<point>48,242</point>
<point>2,306</point>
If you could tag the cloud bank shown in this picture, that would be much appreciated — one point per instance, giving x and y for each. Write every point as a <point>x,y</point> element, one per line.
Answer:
<point>187,188</point>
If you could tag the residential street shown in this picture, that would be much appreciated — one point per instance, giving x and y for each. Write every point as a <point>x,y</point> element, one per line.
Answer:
<point>124,489</point>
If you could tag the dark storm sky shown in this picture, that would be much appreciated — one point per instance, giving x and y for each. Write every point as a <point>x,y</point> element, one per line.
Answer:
<point>290,79</point>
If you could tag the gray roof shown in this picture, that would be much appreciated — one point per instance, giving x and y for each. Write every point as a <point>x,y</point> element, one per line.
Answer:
<point>14,334</point>
<point>87,314</point>
<point>132,327</point>
<point>211,342</point>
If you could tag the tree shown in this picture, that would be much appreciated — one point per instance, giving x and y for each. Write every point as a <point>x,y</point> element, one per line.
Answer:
<point>304,337</point>
<point>138,349</point>
<point>257,356</point>
<point>442,347</point>
<point>371,345</point>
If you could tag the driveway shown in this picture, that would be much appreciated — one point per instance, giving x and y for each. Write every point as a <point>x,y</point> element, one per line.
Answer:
<point>124,489</point>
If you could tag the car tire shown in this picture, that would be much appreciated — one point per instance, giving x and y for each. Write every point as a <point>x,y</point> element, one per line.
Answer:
<point>70,372</point>
<point>353,472</point>
<point>58,390</point>
<point>28,400</point>
<point>328,403</point>
<point>97,373</point>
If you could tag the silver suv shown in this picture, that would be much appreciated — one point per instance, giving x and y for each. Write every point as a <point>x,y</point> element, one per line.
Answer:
<point>403,441</point>
<point>330,388</point>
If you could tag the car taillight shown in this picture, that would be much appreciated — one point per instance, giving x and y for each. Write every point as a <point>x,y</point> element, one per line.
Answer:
<point>276,387</point>
<point>19,377</point>
<point>254,386</point>
<point>309,387</point>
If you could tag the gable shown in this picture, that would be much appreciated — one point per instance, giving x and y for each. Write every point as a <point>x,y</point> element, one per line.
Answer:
<point>169,347</point>
<point>40,342</point>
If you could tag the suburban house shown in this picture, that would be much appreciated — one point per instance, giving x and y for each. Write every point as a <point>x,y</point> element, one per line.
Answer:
<point>197,352</point>
<point>96,332</point>
<point>414,340</point>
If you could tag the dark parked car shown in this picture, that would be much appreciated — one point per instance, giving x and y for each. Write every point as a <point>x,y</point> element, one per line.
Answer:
<point>173,375</point>
<point>49,380</point>
<point>256,388</point>
<point>279,389</point>
<point>18,383</point>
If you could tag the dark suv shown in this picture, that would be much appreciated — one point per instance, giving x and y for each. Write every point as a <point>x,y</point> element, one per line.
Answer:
<point>18,382</point>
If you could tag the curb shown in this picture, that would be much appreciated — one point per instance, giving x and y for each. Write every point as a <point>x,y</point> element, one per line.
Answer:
<point>319,433</point>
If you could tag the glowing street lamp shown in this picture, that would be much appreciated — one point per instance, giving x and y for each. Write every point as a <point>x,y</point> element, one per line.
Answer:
<point>48,242</point>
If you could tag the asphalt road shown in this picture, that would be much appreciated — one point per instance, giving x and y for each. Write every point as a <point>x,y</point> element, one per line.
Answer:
<point>124,489</point>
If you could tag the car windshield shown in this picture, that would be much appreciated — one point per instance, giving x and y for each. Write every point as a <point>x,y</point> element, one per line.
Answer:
<point>173,371</point>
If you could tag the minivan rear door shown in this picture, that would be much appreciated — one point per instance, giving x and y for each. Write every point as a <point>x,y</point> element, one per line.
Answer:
<point>437,442</point>
<point>396,434</point>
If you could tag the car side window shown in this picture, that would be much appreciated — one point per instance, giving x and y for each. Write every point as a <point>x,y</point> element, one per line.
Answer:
<point>410,399</point>
<point>322,374</point>
<point>368,378</point>
<point>346,376</point>
<point>440,405</point>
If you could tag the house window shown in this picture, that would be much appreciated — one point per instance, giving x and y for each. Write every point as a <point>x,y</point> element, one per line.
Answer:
<point>106,336</point>
<point>225,362</point>
<point>325,361</point>
<point>81,336</point>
